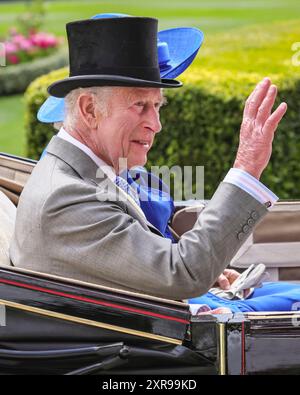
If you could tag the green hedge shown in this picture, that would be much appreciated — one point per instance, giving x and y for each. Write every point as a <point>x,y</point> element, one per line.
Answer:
<point>199,128</point>
<point>37,133</point>
<point>15,79</point>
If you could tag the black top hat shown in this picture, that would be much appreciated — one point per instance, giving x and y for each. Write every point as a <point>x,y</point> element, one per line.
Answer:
<point>112,52</point>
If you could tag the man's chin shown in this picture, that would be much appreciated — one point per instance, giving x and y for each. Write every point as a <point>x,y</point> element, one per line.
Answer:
<point>136,163</point>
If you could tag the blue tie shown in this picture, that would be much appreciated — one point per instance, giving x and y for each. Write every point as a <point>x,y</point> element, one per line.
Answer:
<point>123,184</point>
<point>154,196</point>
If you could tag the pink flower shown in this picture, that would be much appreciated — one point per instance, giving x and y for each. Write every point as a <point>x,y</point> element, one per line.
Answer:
<point>17,38</point>
<point>13,59</point>
<point>33,39</point>
<point>43,40</point>
<point>36,39</point>
<point>10,48</point>
<point>25,45</point>
<point>21,42</point>
<point>51,41</point>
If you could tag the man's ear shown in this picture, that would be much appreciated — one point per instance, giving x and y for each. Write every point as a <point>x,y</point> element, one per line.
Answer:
<point>88,111</point>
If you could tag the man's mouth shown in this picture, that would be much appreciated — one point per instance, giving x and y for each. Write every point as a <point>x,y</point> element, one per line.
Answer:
<point>144,143</point>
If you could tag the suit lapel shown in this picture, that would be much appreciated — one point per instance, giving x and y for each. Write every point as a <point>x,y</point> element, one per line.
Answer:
<point>84,166</point>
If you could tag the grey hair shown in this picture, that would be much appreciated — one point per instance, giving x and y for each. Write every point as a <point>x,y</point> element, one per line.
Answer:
<point>57,125</point>
<point>101,93</point>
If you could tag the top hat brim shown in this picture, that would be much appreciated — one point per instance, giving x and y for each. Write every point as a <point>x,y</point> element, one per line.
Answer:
<point>63,87</point>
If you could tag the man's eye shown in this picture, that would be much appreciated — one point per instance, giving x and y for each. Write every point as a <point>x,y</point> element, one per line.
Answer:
<point>140,104</point>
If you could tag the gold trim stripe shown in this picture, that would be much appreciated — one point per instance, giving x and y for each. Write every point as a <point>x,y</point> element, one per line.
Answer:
<point>85,321</point>
<point>222,349</point>
<point>265,317</point>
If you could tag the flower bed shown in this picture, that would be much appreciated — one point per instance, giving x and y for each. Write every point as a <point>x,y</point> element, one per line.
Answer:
<point>19,48</point>
<point>27,56</point>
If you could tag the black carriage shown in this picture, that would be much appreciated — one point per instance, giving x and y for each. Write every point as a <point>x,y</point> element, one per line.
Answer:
<point>55,325</point>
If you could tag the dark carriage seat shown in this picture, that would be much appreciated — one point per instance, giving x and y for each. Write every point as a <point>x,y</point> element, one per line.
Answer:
<point>7,222</point>
<point>14,173</point>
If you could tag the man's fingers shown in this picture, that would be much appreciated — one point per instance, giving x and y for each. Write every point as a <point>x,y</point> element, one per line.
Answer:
<point>257,129</point>
<point>231,275</point>
<point>274,119</point>
<point>255,99</point>
<point>218,310</point>
<point>223,282</point>
<point>265,109</point>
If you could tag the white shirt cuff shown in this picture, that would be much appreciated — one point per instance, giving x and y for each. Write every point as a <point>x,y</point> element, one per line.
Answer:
<point>251,185</point>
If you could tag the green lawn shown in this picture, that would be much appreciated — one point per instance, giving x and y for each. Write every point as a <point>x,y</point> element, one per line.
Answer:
<point>211,16</point>
<point>12,134</point>
<point>228,58</point>
<point>252,36</point>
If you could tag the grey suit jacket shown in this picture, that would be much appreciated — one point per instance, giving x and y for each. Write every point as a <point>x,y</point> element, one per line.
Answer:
<point>64,227</point>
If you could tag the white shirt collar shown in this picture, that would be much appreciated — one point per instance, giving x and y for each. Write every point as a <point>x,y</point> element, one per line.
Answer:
<point>108,170</point>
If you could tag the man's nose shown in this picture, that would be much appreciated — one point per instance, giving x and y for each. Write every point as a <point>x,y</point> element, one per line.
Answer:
<point>153,120</point>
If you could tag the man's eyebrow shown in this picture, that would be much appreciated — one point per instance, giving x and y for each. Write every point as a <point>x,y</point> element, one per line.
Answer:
<point>161,101</point>
<point>132,97</point>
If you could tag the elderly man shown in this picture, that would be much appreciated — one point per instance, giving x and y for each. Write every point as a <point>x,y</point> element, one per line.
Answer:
<point>74,218</point>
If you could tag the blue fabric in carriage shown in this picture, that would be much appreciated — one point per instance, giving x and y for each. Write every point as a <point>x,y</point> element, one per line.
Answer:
<point>272,296</point>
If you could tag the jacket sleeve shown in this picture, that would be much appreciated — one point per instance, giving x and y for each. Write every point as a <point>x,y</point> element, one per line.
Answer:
<point>99,242</point>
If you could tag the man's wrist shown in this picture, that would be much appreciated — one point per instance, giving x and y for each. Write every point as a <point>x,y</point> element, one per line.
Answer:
<point>248,169</point>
